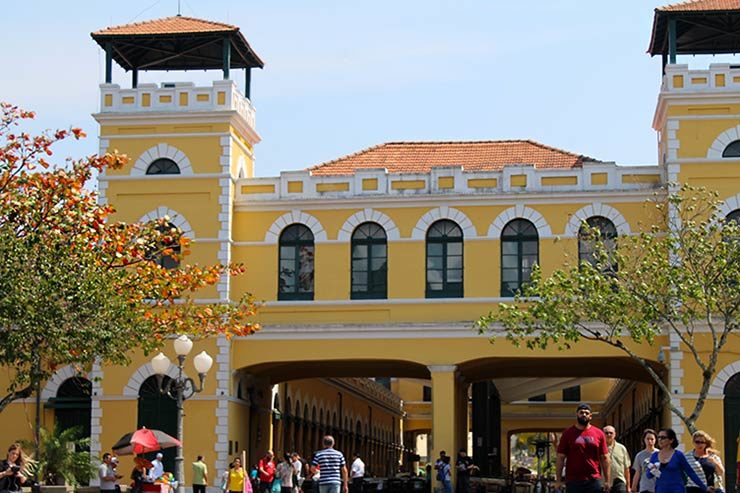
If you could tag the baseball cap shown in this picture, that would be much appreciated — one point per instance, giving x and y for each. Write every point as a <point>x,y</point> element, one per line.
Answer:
<point>159,455</point>
<point>583,405</point>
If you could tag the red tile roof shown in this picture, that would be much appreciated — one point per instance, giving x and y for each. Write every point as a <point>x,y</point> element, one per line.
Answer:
<point>701,6</point>
<point>168,25</point>
<point>421,157</point>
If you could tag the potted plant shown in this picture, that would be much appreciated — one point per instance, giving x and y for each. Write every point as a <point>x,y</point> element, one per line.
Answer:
<point>62,461</point>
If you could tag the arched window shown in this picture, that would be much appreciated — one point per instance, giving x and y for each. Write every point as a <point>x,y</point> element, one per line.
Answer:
<point>734,216</point>
<point>444,260</point>
<point>586,239</point>
<point>732,150</point>
<point>73,406</point>
<point>295,275</point>
<point>519,253</point>
<point>163,166</point>
<point>369,262</point>
<point>169,240</point>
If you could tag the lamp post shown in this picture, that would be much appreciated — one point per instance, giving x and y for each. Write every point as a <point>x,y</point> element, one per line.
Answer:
<point>180,389</point>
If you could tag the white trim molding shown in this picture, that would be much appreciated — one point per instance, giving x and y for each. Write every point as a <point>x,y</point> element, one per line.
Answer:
<point>273,234</point>
<point>519,212</point>
<point>596,209</point>
<point>368,215</point>
<point>175,218</point>
<point>723,376</point>
<point>159,151</point>
<point>731,204</point>
<point>722,141</point>
<point>444,212</point>
<point>58,378</point>
<point>139,376</point>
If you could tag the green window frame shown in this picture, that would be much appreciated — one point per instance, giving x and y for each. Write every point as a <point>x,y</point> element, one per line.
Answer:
<point>163,166</point>
<point>733,216</point>
<point>296,263</point>
<point>444,260</point>
<point>586,242</point>
<point>520,250</point>
<point>369,269</point>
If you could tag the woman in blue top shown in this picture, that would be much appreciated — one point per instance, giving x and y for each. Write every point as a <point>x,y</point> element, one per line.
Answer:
<point>669,466</point>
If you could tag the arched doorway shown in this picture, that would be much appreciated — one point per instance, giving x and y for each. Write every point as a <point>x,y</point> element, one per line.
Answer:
<point>73,404</point>
<point>732,428</point>
<point>158,411</point>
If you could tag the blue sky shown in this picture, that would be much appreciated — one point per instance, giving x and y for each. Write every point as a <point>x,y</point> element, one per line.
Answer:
<point>344,75</point>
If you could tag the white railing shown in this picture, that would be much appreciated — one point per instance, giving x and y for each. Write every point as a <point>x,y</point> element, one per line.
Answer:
<point>179,97</point>
<point>719,77</point>
<point>596,176</point>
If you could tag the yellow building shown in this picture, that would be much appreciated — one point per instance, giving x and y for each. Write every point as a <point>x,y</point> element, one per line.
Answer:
<point>375,265</point>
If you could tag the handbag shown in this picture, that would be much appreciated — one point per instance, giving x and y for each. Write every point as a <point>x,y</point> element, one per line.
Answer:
<point>276,486</point>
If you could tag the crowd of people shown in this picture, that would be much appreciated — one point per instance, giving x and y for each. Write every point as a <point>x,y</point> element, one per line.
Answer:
<point>326,472</point>
<point>590,460</point>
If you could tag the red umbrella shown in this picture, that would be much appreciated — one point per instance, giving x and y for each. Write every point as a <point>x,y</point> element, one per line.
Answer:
<point>143,441</point>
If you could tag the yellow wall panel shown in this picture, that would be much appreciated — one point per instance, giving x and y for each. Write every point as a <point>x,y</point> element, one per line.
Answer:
<point>483,183</point>
<point>408,185</point>
<point>554,181</point>
<point>295,187</point>
<point>518,180</point>
<point>332,187</point>
<point>248,189</point>
<point>599,178</point>
<point>445,182</point>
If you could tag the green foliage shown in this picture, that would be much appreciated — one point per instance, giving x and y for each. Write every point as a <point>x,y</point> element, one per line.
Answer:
<point>60,458</point>
<point>680,275</point>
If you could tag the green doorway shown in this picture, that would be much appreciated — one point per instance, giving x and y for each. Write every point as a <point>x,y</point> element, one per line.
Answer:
<point>157,411</point>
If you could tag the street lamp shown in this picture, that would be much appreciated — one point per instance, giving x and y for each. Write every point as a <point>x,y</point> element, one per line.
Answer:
<point>180,389</point>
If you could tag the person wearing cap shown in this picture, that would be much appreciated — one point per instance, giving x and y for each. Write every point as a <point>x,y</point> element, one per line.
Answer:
<point>584,453</point>
<point>157,470</point>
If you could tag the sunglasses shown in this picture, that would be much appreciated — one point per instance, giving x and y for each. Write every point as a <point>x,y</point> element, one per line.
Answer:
<point>662,437</point>
<point>699,441</point>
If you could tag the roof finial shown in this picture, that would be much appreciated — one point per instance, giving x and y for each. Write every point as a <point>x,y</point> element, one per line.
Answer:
<point>178,8</point>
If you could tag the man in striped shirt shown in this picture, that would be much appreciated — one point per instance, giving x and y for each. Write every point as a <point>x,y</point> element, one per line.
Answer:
<point>333,468</point>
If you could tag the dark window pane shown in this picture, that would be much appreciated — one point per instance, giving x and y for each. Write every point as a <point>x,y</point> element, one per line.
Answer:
<point>434,262</point>
<point>434,249</point>
<point>572,394</point>
<point>359,251</point>
<point>296,253</point>
<point>510,261</point>
<point>378,264</point>
<point>538,398</point>
<point>378,250</point>
<point>732,150</point>
<point>455,248</point>
<point>163,166</point>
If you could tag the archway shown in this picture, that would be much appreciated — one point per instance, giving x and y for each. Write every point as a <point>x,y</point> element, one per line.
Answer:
<point>732,427</point>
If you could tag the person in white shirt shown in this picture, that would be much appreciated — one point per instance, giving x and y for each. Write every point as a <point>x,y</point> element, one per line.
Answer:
<point>157,470</point>
<point>107,474</point>
<point>356,473</point>
<point>295,460</point>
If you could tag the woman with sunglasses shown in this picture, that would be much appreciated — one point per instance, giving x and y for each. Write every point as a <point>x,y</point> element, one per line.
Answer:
<point>669,465</point>
<point>709,461</point>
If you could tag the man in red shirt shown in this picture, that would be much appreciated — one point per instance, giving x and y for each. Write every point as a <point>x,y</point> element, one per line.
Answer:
<point>266,470</point>
<point>584,453</point>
